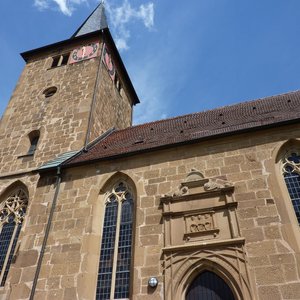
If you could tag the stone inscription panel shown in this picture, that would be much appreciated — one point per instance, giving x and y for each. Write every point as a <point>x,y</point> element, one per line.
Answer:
<point>200,226</point>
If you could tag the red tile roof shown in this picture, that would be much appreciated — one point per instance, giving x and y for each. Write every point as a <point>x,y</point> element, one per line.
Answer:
<point>221,121</point>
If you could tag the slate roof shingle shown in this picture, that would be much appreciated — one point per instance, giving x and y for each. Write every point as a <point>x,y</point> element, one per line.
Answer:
<point>261,113</point>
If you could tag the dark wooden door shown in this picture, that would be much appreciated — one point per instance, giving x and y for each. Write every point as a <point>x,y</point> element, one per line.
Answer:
<point>209,286</point>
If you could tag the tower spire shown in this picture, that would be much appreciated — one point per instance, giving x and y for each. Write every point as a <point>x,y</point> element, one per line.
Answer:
<point>95,21</point>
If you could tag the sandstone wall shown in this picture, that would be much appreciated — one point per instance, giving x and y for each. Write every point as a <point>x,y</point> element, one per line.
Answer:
<point>70,264</point>
<point>112,108</point>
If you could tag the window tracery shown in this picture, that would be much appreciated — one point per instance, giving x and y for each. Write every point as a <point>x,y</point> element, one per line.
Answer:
<point>115,255</point>
<point>12,212</point>
<point>291,174</point>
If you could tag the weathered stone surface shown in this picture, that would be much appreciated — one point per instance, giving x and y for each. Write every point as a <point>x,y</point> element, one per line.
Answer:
<point>269,292</point>
<point>27,258</point>
<point>291,291</point>
<point>269,275</point>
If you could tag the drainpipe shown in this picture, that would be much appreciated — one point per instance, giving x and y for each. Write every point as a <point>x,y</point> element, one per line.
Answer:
<point>39,263</point>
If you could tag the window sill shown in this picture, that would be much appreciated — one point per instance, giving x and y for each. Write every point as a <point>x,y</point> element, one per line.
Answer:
<point>26,157</point>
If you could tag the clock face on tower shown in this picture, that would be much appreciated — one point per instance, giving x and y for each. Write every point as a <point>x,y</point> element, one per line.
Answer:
<point>84,52</point>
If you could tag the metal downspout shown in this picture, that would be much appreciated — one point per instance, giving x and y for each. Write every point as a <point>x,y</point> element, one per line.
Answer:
<point>39,263</point>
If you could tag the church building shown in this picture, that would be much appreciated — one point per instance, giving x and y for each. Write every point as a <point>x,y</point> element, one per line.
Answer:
<point>200,206</point>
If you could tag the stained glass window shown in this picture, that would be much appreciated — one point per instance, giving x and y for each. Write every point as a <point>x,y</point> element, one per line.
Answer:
<point>291,173</point>
<point>12,212</point>
<point>115,254</point>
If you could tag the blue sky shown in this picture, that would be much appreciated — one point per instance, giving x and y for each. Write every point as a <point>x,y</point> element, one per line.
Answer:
<point>182,56</point>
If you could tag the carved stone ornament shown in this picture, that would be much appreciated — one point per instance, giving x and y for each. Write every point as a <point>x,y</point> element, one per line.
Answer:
<point>216,185</point>
<point>184,190</point>
<point>200,226</point>
<point>199,223</point>
<point>14,207</point>
<point>194,175</point>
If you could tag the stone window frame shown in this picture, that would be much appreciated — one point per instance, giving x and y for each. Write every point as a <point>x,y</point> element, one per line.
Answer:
<point>34,137</point>
<point>13,206</point>
<point>120,199</point>
<point>284,163</point>
<point>219,268</point>
<point>288,227</point>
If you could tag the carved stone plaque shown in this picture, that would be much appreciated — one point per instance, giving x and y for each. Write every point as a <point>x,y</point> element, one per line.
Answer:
<point>200,226</point>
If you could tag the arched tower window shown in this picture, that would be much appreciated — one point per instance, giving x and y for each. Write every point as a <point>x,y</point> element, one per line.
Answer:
<point>291,173</point>
<point>115,255</point>
<point>12,212</point>
<point>209,286</point>
<point>34,139</point>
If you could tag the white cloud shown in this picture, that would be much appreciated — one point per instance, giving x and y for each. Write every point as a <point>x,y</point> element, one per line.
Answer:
<point>41,4</point>
<point>65,6</point>
<point>146,13</point>
<point>121,16</point>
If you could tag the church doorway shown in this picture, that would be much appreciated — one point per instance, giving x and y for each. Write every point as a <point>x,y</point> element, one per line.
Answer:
<point>209,286</point>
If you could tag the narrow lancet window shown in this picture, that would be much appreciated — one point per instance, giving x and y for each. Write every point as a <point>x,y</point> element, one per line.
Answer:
<point>12,213</point>
<point>115,255</point>
<point>291,173</point>
<point>34,139</point>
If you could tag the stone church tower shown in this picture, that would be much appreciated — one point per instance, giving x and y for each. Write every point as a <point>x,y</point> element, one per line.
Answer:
<point>70,94</point>
<point>66,97</point>
<point>200,206</point>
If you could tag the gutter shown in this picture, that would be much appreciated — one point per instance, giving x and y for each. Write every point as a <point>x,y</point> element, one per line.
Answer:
<point>47,231</point>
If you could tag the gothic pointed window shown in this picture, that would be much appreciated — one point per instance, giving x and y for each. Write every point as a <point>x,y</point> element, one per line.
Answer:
<point>291,173</point>
<point>116,246</point>
<point>12,212</point>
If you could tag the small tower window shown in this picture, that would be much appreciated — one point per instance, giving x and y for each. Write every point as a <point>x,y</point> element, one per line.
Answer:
<point>117,83</point>
<point>60,60</point>
<point>34,138</point>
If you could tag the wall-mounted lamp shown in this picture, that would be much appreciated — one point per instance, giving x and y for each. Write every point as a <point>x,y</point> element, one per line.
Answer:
<point>152,282</point>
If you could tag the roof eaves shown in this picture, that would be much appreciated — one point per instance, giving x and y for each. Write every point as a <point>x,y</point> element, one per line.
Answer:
<point>27,54</point>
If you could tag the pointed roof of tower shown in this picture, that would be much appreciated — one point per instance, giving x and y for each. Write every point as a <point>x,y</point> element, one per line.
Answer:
<point>94,22</point>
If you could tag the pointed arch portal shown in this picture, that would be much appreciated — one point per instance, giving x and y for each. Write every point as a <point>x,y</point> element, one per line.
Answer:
<point>209,286</point>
